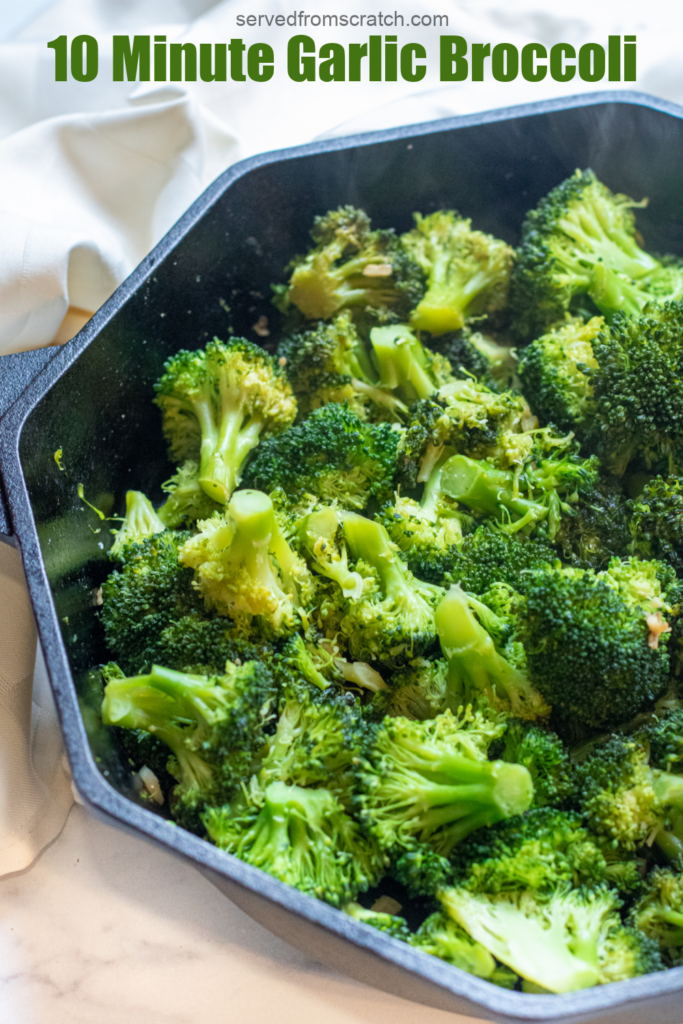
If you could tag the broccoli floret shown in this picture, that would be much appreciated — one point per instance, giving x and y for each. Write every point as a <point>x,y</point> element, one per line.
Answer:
<point>302,837</point>
<point>638,389</point>
<point>139,523</point>
<point>421,870</point>
<point>405,366</point>
<point>540,851</point>
<point>393,619</point>
<point>390,924</point>
<point>666,742</point>
<point>593,640</point>
<point>625,799</point>
<point>428,538</point>
<point>212,725</point>
<point>186,500</point>
<point>475,668</point>
<point>329,363</point>
<point>490,556</point>
<point>321,540</point>
<point>659,913</point>
<point>544,755</point>
<point>431,781</point>
<point>440,936</point>
<point>354,268</point>
<point>202,646</point>
<point>532,498</point>
<point>473,354</point>
<point>145,596</point>
<point>553,370</point>
<point>217,404</point>
<point>245,569</point>
<point>572,940</point>
<point>467,271</point>
<point>581,241</point>
<point>333,455</point>
<point>418,690</point>
<point>657,521</point>
<point>598,527</point>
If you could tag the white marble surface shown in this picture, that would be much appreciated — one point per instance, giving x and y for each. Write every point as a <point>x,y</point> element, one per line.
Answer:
<point>107,929</point>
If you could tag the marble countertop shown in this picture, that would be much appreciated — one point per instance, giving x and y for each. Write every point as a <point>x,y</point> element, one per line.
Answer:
<point>107,928</point>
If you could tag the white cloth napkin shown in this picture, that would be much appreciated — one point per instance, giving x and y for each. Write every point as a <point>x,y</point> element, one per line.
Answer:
<point>93,174</point>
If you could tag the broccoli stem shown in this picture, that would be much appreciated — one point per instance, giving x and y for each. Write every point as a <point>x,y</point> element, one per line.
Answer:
<point>370,542</point>
<point>226,441</point>
<point>402,362</point>
<point>318,532</point>
<point>445,305</point>
<point>474,665</point>
<point>257,534</point>
<point>489,491</point>
<point>140,522</point>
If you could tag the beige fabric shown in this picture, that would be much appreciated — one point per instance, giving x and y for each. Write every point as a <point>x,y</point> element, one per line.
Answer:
<point>35,791</point>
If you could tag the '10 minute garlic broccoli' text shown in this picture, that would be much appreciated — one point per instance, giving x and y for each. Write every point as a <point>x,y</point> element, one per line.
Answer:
<point>407,621</point>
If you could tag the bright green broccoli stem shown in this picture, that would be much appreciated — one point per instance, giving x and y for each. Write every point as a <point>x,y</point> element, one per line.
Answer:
<point>140,522</point>
<point>153,703</point>
<point>318,534</point>
<point>611,292</point>
<point>393,405</point>
<point>403,363</point>
<point>227,438</point>
<point>489,491</point>
<point>448,298</point>
<point>474,665</point>
<point>432,475</point>
<point>369,541</point>
<point>256,536</point>
<point>669,793</point>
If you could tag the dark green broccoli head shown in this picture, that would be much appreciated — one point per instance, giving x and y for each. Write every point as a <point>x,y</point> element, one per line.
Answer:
<point>417,690</point>
<point>217,403</point>
<point>333,454</point>
<point>597,528</point>
<point>467,271</point>
<point>592,641</point>
<point>638,389</point>
<point>544,755</point>
<point>490,556</point>
<point>147,594</point>
<point>390,924</point>
<point>553,370</point>
<point>421,870</point>
<point>666,742</point>
<point>473,354</point>
<point>579,241</point>
<point>657,521</point>
<point>352,267</point>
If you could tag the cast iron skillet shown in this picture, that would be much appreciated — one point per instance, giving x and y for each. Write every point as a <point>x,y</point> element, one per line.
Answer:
<point>213,270</point>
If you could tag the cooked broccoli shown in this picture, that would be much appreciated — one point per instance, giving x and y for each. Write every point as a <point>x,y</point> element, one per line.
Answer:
<point>489,556</point>
<point>147,594</point>
<point>217,404</point>
<point>581,241</point>
<point>638,389</point>
<point>187,501</point>
<point>333,454</point>
<point>572,940</point>
<point>431,781</point>
<point>473,354</point>
<point>139,523</point>
<point>540,851</point>
<point>475,668</point>
<point>245,569</point>
<point>421,870</point>
<point>533,498</point>
<point>598,527</point>
<point>393,619</point>
<point>212,725</point>
<point>657,521</point>
<point>391,924</point>
<point>302,837</point>
<point>405,366</point>
<point>354,268</point>
<point>666,741</point>
<point>625,799</point>
<point>543,754</point>
<point>554,373</point>
<point>596,642</point>
<point>467,271</point>
<point>440,936</point>
<point>659,913</point>
<point>329,363</point>
<point>418,690</point>
<point>322,541</point>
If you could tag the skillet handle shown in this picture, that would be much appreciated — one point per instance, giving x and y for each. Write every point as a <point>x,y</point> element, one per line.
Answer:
<point>16,373</point>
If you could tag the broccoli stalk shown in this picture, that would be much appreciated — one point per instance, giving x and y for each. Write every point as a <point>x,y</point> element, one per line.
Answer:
<point>431,781</point>
<point>319,534</point>
<point>245,569</point>
<point>659,913</point>
<point>475,668</point>
<point>393,620</point>
<point>218,403</point>
<point>404,365</point>
<point>139,523</point>
<point>186,501</point>
<point>440,936</point>
<point>467,271</point>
